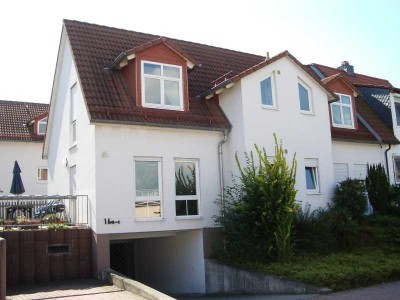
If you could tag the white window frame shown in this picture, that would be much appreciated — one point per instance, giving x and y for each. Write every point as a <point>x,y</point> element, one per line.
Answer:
<point>189,197</point>
<point>337,103</point>
<point>310,101</point>
<point>73,93</point>
<point>313,163</point>
<point>39,122</point>
<point>39,177</point>
<point>394,168</point>
<point>149,198</point>
<point>396,100</point>
<point>162,79</point>
<point>71,179</point>
<point>274,105</point>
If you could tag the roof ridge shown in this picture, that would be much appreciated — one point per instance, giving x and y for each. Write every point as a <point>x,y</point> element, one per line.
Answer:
<point>162,36</point>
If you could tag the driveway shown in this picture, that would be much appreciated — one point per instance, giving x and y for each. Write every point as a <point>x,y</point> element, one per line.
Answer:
<point>80,290</point>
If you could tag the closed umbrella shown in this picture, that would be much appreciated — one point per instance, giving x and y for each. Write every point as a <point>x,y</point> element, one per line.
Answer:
<point>17,187</point>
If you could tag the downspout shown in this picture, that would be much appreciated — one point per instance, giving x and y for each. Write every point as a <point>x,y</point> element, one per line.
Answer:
<point>387,161</point>
<point>221,171</point>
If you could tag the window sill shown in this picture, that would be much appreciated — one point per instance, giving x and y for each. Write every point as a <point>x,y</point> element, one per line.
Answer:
<point>269,107</point>
<point>164,107</point>
<point>149,219</point>
<point>313,193</point>
<point>41,181</point>
<point>189,218</point>
<point>342,126</point>
<point>309,113</point>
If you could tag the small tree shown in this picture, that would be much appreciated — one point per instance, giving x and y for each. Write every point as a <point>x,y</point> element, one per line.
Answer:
<point>350,195</point>
<point>378,188</point>
<point>259,210</point>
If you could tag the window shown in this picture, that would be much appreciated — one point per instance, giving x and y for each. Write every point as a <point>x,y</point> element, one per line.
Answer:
<point>342,112</point>
<point>341,172</point>
<point>267,93</point>
<point>186,188</point>
<point>304,97</point>
<point>148,188</point>
<point>72,180</point>
<point>162,86</point>
<point>397,109</point>
<point>312,176</point>
<point>42,174</point>
<point>41,129</point>
<point>396,166</point>
<point>73,114</point>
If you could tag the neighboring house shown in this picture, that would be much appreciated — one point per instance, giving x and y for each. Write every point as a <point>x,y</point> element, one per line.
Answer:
<point>148,128</point>
<point>22,131</point>
<point>362,127</point>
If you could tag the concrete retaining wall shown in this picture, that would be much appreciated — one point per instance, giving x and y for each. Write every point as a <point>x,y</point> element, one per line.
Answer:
<point>2,269</point>
<point>223,279</point>
<point>132,286</point>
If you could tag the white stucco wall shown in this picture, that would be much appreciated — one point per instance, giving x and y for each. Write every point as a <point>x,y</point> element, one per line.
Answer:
<point>29,157</point>
<point>172,264</point>
<point>353,154</point>
<point>306,135</point>
<point>61,156</point>
<point>116,148</point>
<point>395,150</point>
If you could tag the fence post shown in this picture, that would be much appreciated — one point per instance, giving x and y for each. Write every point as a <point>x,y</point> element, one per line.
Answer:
<point>2,269</point>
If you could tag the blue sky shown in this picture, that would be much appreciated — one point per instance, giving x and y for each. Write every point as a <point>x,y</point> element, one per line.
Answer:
<point>327,32</point>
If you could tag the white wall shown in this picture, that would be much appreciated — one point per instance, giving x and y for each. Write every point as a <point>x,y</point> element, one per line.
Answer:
<point>353,154</point>
<point>395,150</point>
<point>61,156</point>
<point>306,135</point>
<point>116,147</point>
<point>29,157</point>
<point>172,264</point>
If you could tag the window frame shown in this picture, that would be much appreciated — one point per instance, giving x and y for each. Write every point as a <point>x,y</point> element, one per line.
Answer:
<point>39,122</point>
<point>72,179</point>
<point>274,105</point>
<point>39,180</point>
<point>149,199</point>
<point>395,169</point>
<point>314,164</point>
<point>162,78</point>
<point>396,102</point>
<point>189,197</point>
<point>341,105</point>
<point>72,113</point>
<point>310,102</point>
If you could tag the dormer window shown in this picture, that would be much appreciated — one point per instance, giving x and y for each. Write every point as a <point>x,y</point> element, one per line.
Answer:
<point>162,86</point>
<point>342,112</point>
<point>41,126</point>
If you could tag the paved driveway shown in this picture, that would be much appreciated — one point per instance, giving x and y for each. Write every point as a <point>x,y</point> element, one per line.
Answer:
<point>80,290</point>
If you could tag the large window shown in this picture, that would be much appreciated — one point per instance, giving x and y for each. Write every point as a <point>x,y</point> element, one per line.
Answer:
<point>267,92</point>
<point>148,188</point>
<point>162,86</point>
<point>74,90</point>
<point>342,112</point>
<point>41,127</point>
<point>186,188</point>
<point>397,109</point>
<point>396,166</point>
<point>312,176</point>
<point>304,97</point>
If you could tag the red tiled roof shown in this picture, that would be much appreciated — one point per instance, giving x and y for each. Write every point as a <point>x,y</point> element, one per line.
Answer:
<point>357,79</point>
<point>95,47</point>
<point>15,118</point>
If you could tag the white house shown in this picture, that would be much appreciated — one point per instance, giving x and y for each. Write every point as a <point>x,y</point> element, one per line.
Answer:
<point>148,127</point>
<point>22,130</point>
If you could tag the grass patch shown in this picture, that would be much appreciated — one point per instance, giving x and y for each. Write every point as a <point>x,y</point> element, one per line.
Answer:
<point>338,271</point>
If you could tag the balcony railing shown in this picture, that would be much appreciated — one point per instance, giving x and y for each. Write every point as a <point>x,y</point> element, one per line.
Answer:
<point>38,211</point>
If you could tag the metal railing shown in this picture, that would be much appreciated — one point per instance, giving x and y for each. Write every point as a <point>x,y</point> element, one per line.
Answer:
<point>37,211</point>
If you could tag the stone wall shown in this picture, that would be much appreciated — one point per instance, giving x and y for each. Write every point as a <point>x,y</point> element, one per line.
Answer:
<point>31,260</point>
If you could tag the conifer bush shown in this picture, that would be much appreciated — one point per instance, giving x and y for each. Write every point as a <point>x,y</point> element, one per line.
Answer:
<point>350,195</point>
<point>378,188</point>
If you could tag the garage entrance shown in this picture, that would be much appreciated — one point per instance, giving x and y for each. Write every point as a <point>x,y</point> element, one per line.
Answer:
<point>122,257</point>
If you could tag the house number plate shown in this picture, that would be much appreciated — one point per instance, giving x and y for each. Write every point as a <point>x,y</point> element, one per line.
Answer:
<point>109,221</point>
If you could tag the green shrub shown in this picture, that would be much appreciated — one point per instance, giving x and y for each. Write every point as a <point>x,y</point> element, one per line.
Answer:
<point>350,196</point>
<point>395,200</point>
<point>378,188</point>
<point>258,213</point>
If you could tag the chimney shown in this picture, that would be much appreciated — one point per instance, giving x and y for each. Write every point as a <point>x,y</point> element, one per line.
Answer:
<point>345,66</point>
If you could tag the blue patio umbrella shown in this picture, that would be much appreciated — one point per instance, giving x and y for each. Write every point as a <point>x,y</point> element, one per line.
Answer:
<point>17,187</point>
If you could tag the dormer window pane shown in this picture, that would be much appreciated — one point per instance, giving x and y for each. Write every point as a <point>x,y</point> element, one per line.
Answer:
<point>171,89</point>
<point>337,118</point>
<point>42,126</point>
<point>152,69</point>
<point>266,92</point>
<point>345,99</point>
<point>347,116</point>
<point>153,89</point>
<point>342,112</point>
<point>171,72</point>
